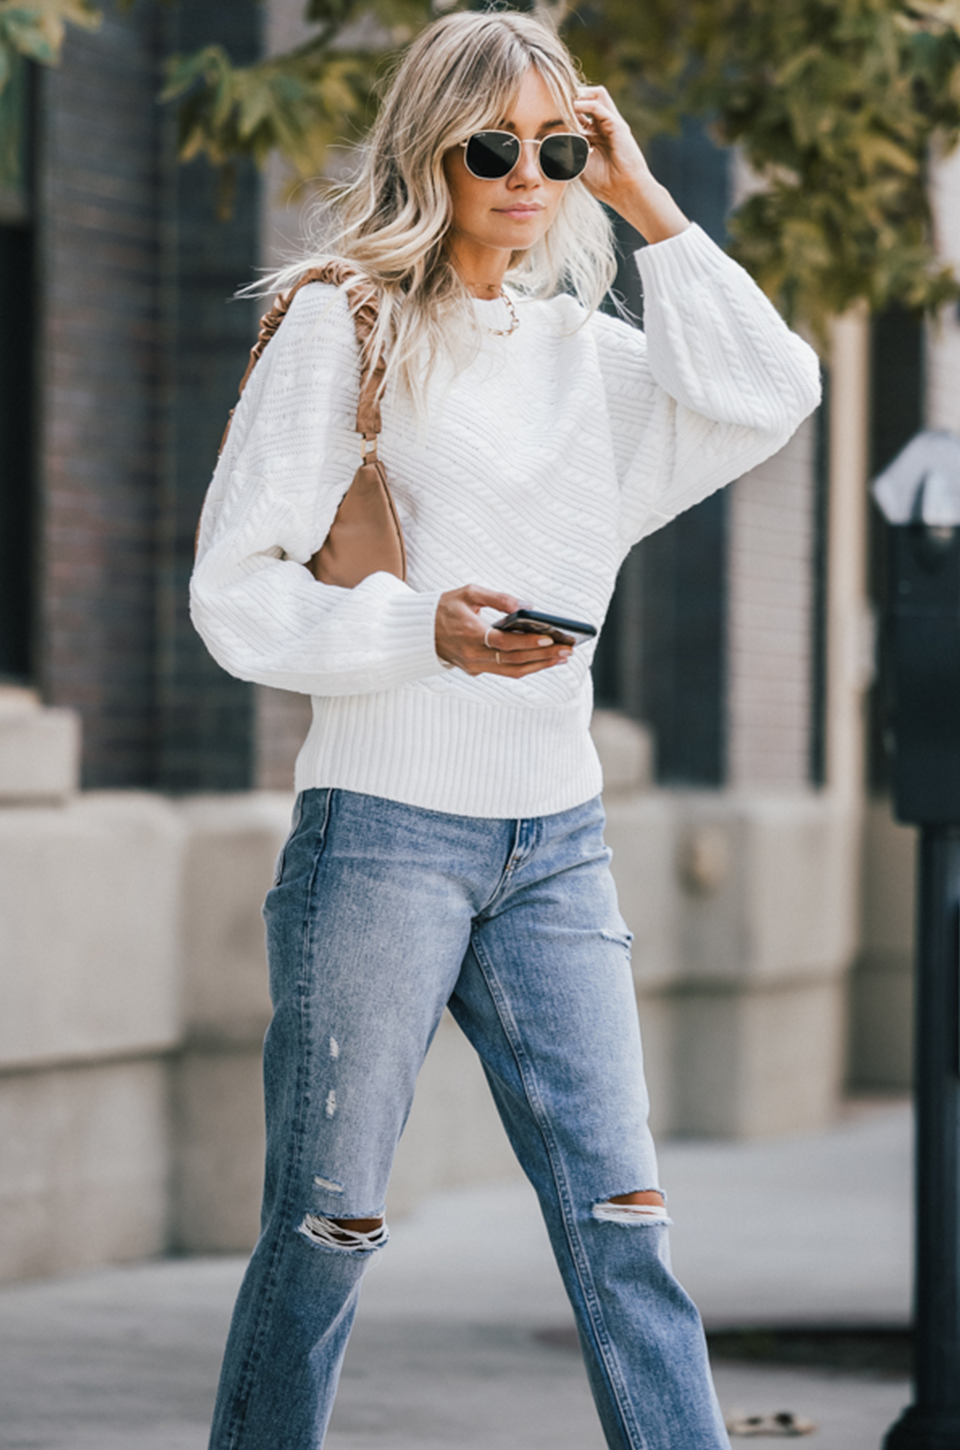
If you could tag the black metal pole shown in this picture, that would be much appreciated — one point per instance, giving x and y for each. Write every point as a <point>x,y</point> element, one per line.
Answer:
<point>932,1422</point>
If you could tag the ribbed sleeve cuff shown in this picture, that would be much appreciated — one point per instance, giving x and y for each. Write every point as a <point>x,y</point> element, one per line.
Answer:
<point>410,637</point>
<point>688,257</point>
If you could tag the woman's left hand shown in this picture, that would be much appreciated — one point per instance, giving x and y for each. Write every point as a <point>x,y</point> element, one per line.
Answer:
<point>617,172</point>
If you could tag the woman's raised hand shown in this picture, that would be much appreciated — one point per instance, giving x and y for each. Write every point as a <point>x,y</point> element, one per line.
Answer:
<point>463,639</point>
<point>617,172</point>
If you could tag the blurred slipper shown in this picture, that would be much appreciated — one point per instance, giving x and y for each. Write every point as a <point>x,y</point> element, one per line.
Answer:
<point>784,1422</point>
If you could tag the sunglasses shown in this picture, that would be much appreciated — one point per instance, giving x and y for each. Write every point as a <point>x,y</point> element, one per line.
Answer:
<point>491,155</point>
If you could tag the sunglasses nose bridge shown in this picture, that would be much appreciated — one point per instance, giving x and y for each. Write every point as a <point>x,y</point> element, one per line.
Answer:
<point>528,162</point>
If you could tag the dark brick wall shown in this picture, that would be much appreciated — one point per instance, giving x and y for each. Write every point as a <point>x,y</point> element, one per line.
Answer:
<point>141,351</point>
<point>99,254</point>
<point>207,717</point>
<point>17,383</point>
<point>17,393</point>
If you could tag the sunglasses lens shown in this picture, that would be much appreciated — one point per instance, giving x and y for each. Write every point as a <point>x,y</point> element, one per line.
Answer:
<point>563,157</point>
<point>492,154</point>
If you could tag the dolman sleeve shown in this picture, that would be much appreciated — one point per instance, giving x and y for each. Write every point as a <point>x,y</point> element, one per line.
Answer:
<point>290,457</point>
<point>715,383</point>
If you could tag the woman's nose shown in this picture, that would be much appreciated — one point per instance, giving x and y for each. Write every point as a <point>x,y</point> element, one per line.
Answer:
<point>527,169</point>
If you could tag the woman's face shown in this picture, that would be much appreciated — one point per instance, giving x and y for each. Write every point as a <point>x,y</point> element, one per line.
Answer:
<point>513,213</point>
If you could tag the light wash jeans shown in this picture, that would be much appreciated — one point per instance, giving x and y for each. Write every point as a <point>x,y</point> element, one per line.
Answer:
<point>383,914</point>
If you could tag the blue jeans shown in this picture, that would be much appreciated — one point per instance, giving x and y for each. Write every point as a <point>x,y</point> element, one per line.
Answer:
<point>381,915</point>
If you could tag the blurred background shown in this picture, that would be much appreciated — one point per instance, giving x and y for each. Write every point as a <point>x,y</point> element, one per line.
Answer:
<point>144,794</point>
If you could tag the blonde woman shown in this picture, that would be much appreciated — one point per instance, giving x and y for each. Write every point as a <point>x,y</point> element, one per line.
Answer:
<point>447,843</point>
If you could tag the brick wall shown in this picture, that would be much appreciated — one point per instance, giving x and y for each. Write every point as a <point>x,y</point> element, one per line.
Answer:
<point>207,716</point>
<point>141,349</point>
<point>769,636</point>
<point>100,345</point>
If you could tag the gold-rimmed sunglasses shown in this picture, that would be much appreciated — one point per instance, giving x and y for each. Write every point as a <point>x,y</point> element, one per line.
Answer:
<point>492,155</point>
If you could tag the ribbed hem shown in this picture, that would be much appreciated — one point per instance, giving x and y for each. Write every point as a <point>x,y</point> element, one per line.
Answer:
<point>449,754</point>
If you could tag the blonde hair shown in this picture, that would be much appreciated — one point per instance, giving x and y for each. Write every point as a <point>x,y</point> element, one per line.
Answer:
<point>391,220</point>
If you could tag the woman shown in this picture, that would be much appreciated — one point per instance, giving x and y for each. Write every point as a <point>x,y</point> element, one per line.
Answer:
<point>447,839</point>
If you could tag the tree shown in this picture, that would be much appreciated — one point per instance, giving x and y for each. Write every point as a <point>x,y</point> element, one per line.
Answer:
<point>835,104</point>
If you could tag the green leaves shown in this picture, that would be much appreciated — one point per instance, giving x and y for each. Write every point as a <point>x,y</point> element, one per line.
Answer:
<point>834,104</point>
<point>298,104</point>
<point>36,28</point>
<point>295,104</point>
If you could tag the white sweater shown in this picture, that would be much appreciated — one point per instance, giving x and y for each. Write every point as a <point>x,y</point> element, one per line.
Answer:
<point>545,459</point>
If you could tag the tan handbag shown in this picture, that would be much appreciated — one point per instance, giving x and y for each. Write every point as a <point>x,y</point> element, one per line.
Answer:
<point>365,536</point>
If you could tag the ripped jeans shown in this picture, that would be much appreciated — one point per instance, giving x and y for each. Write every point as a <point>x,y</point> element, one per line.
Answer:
<point>383,914</point>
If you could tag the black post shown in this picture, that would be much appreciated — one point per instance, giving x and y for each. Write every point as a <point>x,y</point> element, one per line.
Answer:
<point>932,1422</point>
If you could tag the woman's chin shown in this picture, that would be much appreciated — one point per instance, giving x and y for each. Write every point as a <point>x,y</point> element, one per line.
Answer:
<point>518,235</point>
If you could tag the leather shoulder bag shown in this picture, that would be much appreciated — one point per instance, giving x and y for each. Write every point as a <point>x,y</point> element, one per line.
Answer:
<point>365,536</point>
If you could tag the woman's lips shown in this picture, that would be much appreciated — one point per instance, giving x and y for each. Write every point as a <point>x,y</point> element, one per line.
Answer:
<point>518,211</point>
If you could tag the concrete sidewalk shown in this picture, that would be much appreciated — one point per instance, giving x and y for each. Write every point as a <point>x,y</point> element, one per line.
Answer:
<point>446,1354</point>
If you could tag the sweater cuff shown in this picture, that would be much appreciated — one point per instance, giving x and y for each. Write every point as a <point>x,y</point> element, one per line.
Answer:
<point>687,258</point>
<point>412,630</point>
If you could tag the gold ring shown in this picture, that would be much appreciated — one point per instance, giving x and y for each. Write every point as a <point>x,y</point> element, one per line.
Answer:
<point>496,655</point>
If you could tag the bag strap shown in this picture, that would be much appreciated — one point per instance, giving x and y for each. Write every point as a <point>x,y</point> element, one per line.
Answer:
<point>365,307</point>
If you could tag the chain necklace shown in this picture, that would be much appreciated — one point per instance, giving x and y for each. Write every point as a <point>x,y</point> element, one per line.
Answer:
<point>514,318</point>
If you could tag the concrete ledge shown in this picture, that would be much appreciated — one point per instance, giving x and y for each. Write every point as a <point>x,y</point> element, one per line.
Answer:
<point>85,1165</point>
<point>89,936</point>
<point>744,910</point>
<point>218,1138</point>
<point>39,750</point>
<point>770,885</point>
<point>625,748</point>
<point>750,1064</point>
<point>642,835</point>
<point>231,846</point>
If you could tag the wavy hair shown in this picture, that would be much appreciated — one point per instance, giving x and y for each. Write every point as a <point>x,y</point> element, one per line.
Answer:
<point>391,220</point>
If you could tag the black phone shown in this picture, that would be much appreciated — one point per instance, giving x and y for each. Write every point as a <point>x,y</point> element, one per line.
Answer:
<point>534,621</point>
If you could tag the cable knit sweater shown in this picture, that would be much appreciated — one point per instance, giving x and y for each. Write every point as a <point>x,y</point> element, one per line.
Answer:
<point>545,458</point>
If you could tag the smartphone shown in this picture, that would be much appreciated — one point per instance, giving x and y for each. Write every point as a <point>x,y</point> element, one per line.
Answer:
<point>534,621</point>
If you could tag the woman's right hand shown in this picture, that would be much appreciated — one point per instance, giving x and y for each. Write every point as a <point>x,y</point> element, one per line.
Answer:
<point>464,640</point>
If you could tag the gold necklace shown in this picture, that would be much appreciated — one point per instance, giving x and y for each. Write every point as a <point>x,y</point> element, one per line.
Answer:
<point>514,319</point>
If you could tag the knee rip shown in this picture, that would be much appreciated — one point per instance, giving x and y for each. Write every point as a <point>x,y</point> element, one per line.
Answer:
<point>645,1207</point>
<point>348,1235</point>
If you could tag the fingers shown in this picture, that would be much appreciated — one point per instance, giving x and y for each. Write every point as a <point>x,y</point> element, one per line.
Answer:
<point>496,652</point>
<point>476,597</point>
<point>596,106</point>
<point>519,672</point>
<point>515,666</point>
<point>463,638</point>
<point>517,641</point>
<point>513,655</point>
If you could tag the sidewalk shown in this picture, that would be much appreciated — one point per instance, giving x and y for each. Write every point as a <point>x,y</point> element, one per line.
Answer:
<point>808,1229</point>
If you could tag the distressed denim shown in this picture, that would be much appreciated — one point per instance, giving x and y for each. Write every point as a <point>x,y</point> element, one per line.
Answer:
<point>381,915</point>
